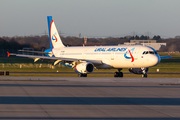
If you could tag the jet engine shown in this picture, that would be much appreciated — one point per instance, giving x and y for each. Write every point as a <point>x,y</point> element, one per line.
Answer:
<point>138,70</point>
<point>84,68</point>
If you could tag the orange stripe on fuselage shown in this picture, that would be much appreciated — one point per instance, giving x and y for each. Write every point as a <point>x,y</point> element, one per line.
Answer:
<point>131,56</point>
<point>50,32</point>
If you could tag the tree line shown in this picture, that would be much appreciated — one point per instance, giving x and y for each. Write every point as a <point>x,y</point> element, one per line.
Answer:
<point>41,43</point>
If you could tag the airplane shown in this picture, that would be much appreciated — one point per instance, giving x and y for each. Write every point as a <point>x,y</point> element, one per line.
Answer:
<point>84,59</point>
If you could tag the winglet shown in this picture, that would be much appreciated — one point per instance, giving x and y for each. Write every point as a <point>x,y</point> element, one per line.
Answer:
<point>8,54</point>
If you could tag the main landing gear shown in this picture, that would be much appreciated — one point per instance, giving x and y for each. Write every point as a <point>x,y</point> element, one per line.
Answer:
<point>82,75</point>
<point>119,73</point>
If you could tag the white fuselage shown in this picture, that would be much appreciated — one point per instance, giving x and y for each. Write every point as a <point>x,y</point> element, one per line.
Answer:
<point>112,56</point>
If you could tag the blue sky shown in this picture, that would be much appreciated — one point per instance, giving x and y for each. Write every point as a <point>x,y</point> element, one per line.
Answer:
<point>94,18</point>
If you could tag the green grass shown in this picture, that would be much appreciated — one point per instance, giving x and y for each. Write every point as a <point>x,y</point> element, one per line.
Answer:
<point>168,65</point>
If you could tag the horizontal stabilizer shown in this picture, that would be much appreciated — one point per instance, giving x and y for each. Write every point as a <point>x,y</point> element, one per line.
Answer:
<point>40,52</point>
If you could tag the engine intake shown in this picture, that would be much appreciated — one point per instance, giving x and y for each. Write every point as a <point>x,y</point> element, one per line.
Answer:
<point>84,68</point>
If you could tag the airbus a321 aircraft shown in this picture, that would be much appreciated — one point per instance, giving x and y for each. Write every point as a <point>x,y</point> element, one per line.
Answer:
<point>84,59</point>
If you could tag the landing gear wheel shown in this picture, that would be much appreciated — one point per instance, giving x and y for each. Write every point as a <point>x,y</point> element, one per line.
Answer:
<point>118,74</point>
<point>85,75</point>
<point>82,75</point>
<point>144,75</point>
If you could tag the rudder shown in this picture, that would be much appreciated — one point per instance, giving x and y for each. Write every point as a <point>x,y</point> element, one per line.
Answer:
<point>54,38</point>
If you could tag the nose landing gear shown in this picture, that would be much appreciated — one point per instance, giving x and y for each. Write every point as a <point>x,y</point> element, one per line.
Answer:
<point>144,75</point>
<point>144,71</point>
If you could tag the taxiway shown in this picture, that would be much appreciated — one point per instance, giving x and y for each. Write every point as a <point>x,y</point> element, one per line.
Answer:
<point>89,98</point>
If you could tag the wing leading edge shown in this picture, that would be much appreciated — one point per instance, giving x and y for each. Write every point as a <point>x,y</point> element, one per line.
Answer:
<point>35,57</point>
<point>165,57</point>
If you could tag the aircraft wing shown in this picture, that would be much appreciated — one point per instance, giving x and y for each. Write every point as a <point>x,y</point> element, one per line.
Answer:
<point>35,57</point>
<point>165,57</point>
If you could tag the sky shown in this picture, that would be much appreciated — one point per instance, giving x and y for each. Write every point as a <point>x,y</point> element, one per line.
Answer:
<point>91,18</point>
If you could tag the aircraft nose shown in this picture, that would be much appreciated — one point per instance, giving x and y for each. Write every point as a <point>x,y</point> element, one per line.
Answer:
<point>155,60</point>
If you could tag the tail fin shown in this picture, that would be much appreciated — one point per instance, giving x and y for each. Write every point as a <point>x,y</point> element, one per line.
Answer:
<point>54,38</point>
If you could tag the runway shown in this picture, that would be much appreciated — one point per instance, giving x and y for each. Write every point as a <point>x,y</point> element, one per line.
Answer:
<point>89,98</point>
<point>76,73</point>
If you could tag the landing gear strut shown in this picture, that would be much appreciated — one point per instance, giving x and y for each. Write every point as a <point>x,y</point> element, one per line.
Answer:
<point>119,73</point>
<point>144,71</point>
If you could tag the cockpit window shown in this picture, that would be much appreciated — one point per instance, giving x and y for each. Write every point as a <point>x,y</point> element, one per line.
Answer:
<point>149,52</point>
<point>145,52</point>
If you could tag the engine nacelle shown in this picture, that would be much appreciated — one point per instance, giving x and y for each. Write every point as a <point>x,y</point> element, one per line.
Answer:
<point>138,70</point>
<point>84,68</point>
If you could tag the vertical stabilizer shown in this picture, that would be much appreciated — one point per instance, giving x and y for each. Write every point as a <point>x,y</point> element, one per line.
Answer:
<point>54,38</point>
